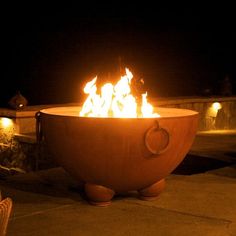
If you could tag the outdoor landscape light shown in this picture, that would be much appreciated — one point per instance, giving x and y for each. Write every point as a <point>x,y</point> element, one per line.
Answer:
<point>213,109</point>
<point>6,122</point>
<point>217,106</point>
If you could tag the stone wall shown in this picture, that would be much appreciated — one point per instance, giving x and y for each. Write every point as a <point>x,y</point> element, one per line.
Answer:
<point>19,151</point>
<point>209,118</point>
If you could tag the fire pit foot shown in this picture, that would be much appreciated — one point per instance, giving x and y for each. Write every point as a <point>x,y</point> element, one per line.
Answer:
<point>153,191</point>
<point>98,195</point>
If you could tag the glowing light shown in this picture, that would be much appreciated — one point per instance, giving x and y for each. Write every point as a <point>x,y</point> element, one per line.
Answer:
<point>212,111</point>
<point>115,100</point>
<point>6,122</point>
<point>216,106</point>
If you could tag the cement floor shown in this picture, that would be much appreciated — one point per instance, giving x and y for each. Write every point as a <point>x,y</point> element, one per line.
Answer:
<point>201,202</point>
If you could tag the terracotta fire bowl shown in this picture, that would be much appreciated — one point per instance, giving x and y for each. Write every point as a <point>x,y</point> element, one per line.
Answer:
<point>116,155</point>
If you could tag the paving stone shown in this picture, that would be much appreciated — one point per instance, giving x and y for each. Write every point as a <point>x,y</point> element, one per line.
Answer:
<point>121,218</point>
<point>202,204</point>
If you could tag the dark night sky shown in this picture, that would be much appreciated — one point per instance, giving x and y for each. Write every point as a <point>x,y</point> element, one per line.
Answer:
<point>49,54</point>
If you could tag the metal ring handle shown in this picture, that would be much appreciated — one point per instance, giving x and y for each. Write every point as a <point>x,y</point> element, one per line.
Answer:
<point>39,134</point>
<point>39,137</point>
<point>155,128</point>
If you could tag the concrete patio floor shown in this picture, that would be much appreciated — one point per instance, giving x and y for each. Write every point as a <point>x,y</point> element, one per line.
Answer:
<point>196,201</point>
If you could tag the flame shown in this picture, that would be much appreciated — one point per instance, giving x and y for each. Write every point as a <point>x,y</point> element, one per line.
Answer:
<point>115,100</point>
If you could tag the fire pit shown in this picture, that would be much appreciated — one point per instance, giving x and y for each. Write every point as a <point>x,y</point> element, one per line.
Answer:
<point>115,155</point>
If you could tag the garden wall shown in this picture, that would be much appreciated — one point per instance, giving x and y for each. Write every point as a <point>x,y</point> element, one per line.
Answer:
<point>19,151</point>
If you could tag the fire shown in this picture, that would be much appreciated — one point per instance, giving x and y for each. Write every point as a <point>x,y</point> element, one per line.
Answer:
<point>115,100</point>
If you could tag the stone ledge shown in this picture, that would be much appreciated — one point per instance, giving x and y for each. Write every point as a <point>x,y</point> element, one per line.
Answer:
<point>217,132</point>
<point>29,111</point>
<point>25,122</point>
<point>26,138</point>
<point>182,100</point>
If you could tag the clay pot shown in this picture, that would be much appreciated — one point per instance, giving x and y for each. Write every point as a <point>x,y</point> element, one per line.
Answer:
<point>18,101</point>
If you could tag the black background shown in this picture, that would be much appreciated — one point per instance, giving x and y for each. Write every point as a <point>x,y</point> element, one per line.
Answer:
<point>49,53</point>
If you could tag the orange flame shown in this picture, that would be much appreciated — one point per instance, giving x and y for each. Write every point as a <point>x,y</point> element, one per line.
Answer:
<point>114,101</point>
